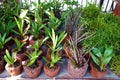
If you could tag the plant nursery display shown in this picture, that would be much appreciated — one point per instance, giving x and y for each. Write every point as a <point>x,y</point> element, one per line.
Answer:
<point>36,36</point>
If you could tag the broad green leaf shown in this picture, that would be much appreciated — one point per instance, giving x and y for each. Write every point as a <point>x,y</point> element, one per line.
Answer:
<point>108,52</point>
<point>95,59</point>
<point>96,52</point>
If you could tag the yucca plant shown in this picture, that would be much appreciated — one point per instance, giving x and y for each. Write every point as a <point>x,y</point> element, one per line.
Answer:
<point>19,44</point>
<point>4,40</point>
<point>33,57</point>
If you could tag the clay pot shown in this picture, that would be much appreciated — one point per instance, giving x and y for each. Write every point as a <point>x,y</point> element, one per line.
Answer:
<point>116,11</point>
<point>94,72</point>
<point>77,72</point>
<point>21,56</point>
<point>2,51</point>
<point>2,64</point>
<point>51,72</point>
<point>15,69</point>
<point>33,72</point>
<point>48,55</point>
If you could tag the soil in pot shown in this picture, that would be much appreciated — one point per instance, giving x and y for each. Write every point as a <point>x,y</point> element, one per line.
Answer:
<point>33,71</point>
<point>96,72</point>
<point>77,72</point>
<point>15,69</point>
<point>2,64</point>
<point>51,72</point>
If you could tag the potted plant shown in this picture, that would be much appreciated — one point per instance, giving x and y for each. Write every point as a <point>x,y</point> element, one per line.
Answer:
<point>22,30</point>
<point>101,57</point>
<point>77,64</point>
<point>20,50</point>
<point>13,66</point>
<point>52,68</point>
<point>115,64</point>
<point>33,66</point>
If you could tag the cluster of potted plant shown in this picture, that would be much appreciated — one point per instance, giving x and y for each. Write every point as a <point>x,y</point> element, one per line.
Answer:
<point>85,34</point>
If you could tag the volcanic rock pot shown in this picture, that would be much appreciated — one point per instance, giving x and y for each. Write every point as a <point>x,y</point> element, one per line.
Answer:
<point>2,64</point>
<point>33,72</point>
<point>51,72</point>
<point>15,69</point>
<point>75,72</point>
<point>116,11</point>
<point>94,72</point>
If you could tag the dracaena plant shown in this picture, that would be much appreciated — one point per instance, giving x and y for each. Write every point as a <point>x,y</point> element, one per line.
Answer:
<point>20,23</point>
<point>19,44</point>
<point>9,58</point>
<point>102,56</point>
<point>3,40</point>
<point>33,57</point>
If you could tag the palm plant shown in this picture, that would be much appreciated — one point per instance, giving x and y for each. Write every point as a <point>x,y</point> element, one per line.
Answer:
<point>19,44</point>
<point>20,23</point>
<point>3,40</point>
<point>33,57</point>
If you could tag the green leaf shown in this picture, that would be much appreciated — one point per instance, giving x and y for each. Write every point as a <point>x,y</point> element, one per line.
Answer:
<point>107,60</point>
<point>95,59</point>
<point>96,52</point>
<point>108,52</point>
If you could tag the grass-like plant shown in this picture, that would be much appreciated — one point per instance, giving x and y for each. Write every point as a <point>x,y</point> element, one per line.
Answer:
<point>20,23</point>
<point>3,40</point>
<point>101,57</point>
<point>10,59</point>
<point>33,57</point>
<point>19,44</point>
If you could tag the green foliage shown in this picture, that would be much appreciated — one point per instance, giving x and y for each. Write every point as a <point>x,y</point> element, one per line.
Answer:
<point>9,58</point>
<point>115,64</point>
<point>19,44</point>
<point>33,57</point>
<point>101,56</point>
<point>3,40</point>
<point>20,23</point>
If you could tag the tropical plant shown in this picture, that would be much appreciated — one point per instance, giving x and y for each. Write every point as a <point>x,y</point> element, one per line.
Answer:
<point>56,40</point>
<point>20,23</point>
<point>53,21</point>
<point>36,29</point>
<point>55,58</point>
<point>115,64</point>
<point>10,59</point>
<point>3,40</point>
<point>19,44</point>
<point>102,56</point>
<point>33,57</point>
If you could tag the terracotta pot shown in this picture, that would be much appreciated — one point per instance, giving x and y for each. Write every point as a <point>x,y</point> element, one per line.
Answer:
<point>116,11</point>
<point>33,72</point>
<point>48,55</point>
<point>14,70</point>
<point>94,72</point>
<point>77,72</point>
<point>51,72</point>
<point>2,64</point>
